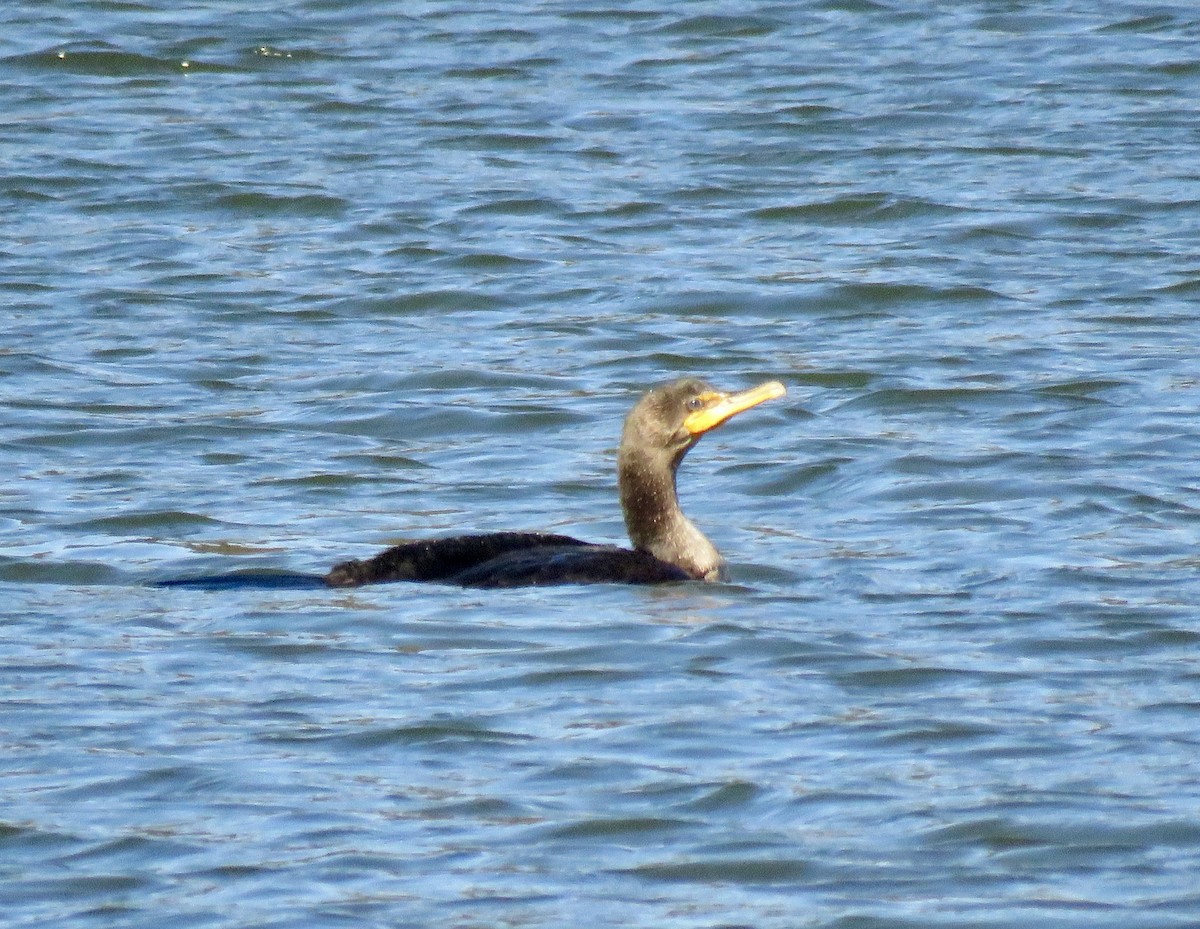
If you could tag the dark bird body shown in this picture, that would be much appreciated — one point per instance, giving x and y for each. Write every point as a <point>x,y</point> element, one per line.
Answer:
<point>507,559</point>
<point>667,546</point>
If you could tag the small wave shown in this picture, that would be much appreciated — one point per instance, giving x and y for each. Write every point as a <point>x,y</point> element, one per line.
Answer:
<point>103,60</point>
<point>259,203</point>
<point>153,520</point>
<point>624,828</point>
<point>891,399</point>
<point>69,573</point>
<point>716,26</point>
<point>856,209</point>
<point>419,303</point>
<point>724,871</point>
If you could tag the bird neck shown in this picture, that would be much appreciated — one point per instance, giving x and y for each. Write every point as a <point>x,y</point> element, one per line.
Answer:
<point>654,520</point>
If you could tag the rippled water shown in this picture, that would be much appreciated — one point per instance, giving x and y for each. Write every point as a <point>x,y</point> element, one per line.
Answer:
<point>281,288</point>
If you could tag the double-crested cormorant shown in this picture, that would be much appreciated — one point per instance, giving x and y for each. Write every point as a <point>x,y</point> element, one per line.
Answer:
<point>667,546</point>
<point>659,431</point>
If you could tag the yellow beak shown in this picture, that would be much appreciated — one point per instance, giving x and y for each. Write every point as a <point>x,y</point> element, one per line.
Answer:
<point>720,407</point>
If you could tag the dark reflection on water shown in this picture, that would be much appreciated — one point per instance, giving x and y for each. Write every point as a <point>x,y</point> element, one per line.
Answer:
<point>283,287</point>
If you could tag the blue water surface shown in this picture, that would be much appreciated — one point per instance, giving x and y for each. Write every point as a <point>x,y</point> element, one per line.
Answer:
<point>283,287</point>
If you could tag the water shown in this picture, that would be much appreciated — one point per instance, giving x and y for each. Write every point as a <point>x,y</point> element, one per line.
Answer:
<point>281,288</point>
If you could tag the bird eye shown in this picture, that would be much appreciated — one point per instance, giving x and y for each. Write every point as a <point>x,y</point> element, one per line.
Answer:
<point>694,404</point>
